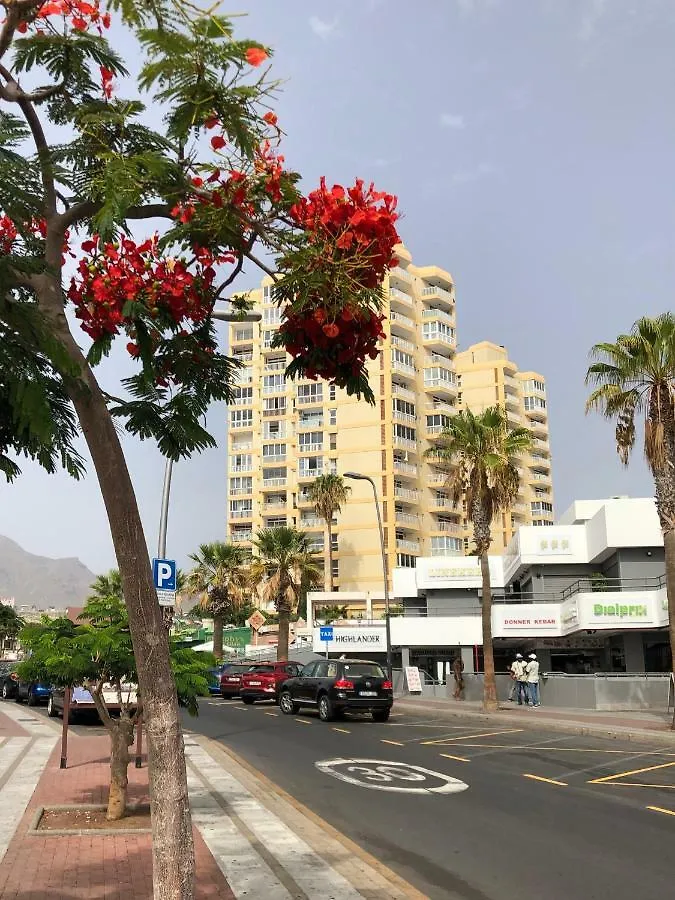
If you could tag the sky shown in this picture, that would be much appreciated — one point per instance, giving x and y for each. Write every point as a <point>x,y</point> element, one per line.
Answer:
<point>530,143</point>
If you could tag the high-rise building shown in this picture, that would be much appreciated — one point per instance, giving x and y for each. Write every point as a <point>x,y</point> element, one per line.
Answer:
<point>486,377</point>
<point>283,434</point>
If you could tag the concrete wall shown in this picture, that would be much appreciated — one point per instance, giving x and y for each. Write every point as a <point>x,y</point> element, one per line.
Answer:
<point>635,563</point>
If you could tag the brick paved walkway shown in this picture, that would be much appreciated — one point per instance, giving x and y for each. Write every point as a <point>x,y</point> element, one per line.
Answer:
<point>117,867</point>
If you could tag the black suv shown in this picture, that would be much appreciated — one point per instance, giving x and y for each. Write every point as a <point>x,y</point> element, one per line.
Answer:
<point>336,686</point>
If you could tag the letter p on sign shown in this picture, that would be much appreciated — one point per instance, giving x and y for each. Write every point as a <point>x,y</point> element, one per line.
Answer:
<point>164,574</point>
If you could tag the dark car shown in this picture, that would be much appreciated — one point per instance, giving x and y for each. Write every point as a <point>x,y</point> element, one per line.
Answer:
<point>11,688</point>
<point>336,686</point>
<point>214,679</point>
<point>82,703</point>
<point>262,681</point>
<point>230,679</point>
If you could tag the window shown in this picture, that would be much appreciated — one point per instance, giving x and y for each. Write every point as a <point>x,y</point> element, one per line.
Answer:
<point>271,452</point>
<point>275,522</point>
<point>333,441</point>
<point>438,373</point>
<point>332,670</point>
<point>534,403</point>
<point>310,440</point>
<point>242,396</point>
<point>241,509</point>
<point>438,421</point>
<point>336,568</point>
<point>309,419</point>
<point>309,670</point>
<point>535,385</point>
<point>331,392</point>
<point>405,560</point>
<point>271,316</point>
<point>405,432</point>
<point>541,507</point>
<point>366,670</point>
<point>441,546</point>
<point>334,541</point>
<point>274,406</point>
<point>274,384</point>
<point>321,670</point>
<point>404,359</point>
<point>274,430</point>
<point>275,474</point>
<point>332,416</point>
<point>242,462</point>
<point>541,522</point>
<point>310,466</point>
<point>243,334</point>
<point>241,418</point>
<point>292,670</point>
<point>241,485</point>
<point>402,406</point>
<point>310,393</point>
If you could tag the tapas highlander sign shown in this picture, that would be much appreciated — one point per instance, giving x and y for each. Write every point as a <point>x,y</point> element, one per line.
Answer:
<point>351,640</point>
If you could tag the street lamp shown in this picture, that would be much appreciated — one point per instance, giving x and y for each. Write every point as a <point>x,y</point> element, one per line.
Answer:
<point>358,477</point>
<point>168,469</point>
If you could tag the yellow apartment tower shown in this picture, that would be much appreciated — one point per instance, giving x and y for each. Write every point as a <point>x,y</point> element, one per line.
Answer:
<point>283,434</point>
<point>486,376</point>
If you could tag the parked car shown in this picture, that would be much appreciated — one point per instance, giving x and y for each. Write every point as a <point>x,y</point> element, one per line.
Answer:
<point>230,679</point>
<point>214,679</point>
<point>81,701</point>
<point>13,689</point>
<point>336,686</point>
<point>262,681</point>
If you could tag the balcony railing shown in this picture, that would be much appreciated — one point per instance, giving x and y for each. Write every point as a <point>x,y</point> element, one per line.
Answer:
<point>403,416</point>
<point>435,429</point>
<point>540,476</point>
<point>241,537</point>
<point>438,335</point>
<point>402,320</point>
<point>405,468</point>
<point>309,474</point>
<point>311,424</point>
<point>275,365</point>
<point>406,494</point>
<point>244,467</point>
<point>408,346</point>
<point>242,401</point>
<point>432,381</point>
<point>241,513</point>
<point>408,518</point>
<point>310,448</point>
<point>240,447</point>
<point>243,376</point>
<point>243,358</point>
<point>238,492</point>
<point>446,503</point>
<point>240,336</point>
<point>447,527</point>
<point>441,408</point>
<point>305,400</point>
<point>407,546</point>
<point>438,314</point>
<point>274,482</point>
<point>401,273</point>
<point>311,522</point>
<point>401,296</point>
<point>245,423</point>
<point>432,291</point>
<point>438,478</point>
<point>404,392</point>
<point>404,442</point>
<point>276,505</point>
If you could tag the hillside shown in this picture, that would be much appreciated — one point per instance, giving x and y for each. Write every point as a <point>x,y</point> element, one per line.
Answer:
<point>41,581</point>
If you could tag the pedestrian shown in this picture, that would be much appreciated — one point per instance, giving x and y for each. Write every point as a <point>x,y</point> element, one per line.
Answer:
<point>512,672</point>
<point>532,674</point>
<point>520,675</point>
<point>457,670</point>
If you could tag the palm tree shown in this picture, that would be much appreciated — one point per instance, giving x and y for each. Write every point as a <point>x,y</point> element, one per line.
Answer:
<point>636,377</point>
<point>328,493</point>
<point>107,587</point>
<point>221,579</point>
<point>284,562</point>
<point>481,448</point>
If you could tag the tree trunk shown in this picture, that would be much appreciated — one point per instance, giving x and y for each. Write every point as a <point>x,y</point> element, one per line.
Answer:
<point>173,850</point>
<point>328,558</point>
<point>121,738</point>
<point>218,637</point>
<point>489,682</point>
<point>669,545</point>
<point>284,610</point>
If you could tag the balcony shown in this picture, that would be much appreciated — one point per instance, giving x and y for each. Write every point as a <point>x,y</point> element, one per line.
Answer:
<point>242,401</point>
<point>310,448</point>
<point>244,467</point>
<point>442,294</point>
<point>434,430</point>
<point>406,518</point>
<point>243,358</point>
<point>401,368</point>
<point>241,423</point>
<point>241,446</point>
<point>409,494</point>
<point>309,474</point>
<point>401,320</point>
<point>511,385</point>
<point>408,346</point>
<point>403,416</point>
<point>275,365</point>
<point>404,468</point>
<point>447,527</point>
<point>540,476</point>
<point>243,376</point>
<point>405,443</point>
<point>400,274</point>
<point>311,522</point>
<point>436,379</point>
<point>438,337</point>
<point>536,416</point>
<point>307,399</point>
<point>274,482</point>
<point>279,435</point>
<point>242,336</point>
<point>440,314</point>
<point>304,499</point>
<point>241,537</point>
<point>440,407</point>
<point>407,546</point>
<point>436,478</point>
<point>537,427</point>
<point>403,392</point>
<point>400,298</point>
<point>274,506</point>
<point>246,513</point>
<point>446,503</point>
<point>538,442</point>
<point>239,492</point>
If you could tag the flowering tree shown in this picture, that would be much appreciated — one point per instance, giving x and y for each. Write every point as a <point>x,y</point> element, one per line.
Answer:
<point>84,181</point>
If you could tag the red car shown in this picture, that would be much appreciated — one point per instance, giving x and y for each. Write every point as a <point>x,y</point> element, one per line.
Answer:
<point>262,681</point>
<point>230,679</point>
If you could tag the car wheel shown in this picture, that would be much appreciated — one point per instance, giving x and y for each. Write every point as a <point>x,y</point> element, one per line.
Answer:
<point>249,701</point>
<point>287,704</point>
<point>326,713</point>
<point>5,691</point>
<point>32,701</point>
<point>380,715</point>
<point>52,711</point>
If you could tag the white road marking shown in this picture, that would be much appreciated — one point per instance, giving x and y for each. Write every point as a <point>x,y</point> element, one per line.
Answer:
<point>16,793</point>
<point>382,775</point>
<point>309,870</point>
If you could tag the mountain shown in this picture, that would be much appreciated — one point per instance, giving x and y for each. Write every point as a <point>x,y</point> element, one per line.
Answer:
<point>40,581</point>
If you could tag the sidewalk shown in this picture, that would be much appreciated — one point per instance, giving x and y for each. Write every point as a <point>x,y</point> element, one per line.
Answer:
<point>251,840</point>
<point>639,725</point>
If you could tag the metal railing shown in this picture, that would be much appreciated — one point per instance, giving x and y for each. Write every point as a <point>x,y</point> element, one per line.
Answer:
<point>439,291</point>
<point>401,273</point>
<point>438,314</point>
<point>403,320</point>
<point>395,294</point>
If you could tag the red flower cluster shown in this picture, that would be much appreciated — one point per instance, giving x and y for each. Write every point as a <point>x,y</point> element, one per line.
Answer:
<point>335,350</point>
<point>114,274</point>
<point>8,235</point>
<point>81,13</point>
<point>358,224</point>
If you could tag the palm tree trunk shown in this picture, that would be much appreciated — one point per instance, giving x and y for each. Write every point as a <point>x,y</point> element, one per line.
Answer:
<point>664,482</point>
<point>218,637</point>
<point>669,545</point>
<point>328,558</point>
<point>284,621</point>
<point>489,682</point>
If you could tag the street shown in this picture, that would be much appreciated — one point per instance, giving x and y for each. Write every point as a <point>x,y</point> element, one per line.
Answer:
<point>509,834</point>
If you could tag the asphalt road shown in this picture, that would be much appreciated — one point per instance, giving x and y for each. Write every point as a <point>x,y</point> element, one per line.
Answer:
<point>532,822</point>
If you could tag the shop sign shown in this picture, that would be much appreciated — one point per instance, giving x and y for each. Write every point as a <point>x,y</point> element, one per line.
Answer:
<point>621,610</point>
<point>351,639</point>
<point>526,620</point>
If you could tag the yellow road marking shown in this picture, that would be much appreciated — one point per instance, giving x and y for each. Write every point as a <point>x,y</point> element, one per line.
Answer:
<point>271,714</point>
<point>342,730</point>
<point>661,787</point>
<point>459,743</point>
<point>632,772</point>
<point>666,812</point>
<point>395,743</point>
<point>547,780</point>
<point>466,737</point>
<point>303,721</point>
<point>459,758</point>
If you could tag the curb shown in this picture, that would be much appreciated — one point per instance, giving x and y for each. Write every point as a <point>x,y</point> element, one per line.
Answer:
<point>602,731</point>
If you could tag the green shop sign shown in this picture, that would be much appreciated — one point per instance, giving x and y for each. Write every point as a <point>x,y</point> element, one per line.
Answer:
<point>620,610</point>
<point>236,637</point>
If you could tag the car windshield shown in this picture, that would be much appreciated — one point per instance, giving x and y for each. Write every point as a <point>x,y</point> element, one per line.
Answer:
<point>236,670</point>
<point>261,669</point>
<point>371,670</point>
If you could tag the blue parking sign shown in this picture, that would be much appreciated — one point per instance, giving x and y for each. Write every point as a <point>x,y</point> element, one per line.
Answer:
<point>164,574</point>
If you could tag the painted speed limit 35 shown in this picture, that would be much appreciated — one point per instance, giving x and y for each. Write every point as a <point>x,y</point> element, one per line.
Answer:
<point>385,775</point>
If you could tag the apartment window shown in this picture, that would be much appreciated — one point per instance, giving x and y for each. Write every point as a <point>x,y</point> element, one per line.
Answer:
<point>332,416</point>
<point>438,373</point>
<point>331,392</point>
<point>534,385</point>
<point>310,466</point>
<point>274,406</point>
<point>431,330</point>
<point>310,440</point>
<point>405,359</point>
<point>332,466</point>
<point>241,509</point>
<point>308,420</point>
<point>241,418</point>
<point>405,432</point>
<point>438,421</point>
<point>310,393</point>
<point>242,396</point>
<point>541,522</point>
<point>402,406</point>
<point>277,475</point>
<point>274,384</point>
<point>241,485</point>
<point>272,316</point>
<point>275,521</point>
<point>333,441</point>
<point>541,507</point>
<point>405,560</point>
<point>315,543</point>
<point>335,570</point>
<point>244,376</point>
<point>242,462</point>
<point>534,403</point>
<point>271,452</point>
<point>243,334</point>
<point>274,430</point>
<point>334,543</point>
<point>443,545</point>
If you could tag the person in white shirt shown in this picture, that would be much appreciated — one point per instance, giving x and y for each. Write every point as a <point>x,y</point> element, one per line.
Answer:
<point>520,674</point>
<point>532,674</point>
<point>515,666</point>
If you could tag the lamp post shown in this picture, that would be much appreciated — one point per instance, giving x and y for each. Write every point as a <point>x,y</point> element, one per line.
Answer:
<point>357,476</point>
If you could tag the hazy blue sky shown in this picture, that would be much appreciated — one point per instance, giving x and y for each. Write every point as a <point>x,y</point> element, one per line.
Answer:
<point>531,144</point>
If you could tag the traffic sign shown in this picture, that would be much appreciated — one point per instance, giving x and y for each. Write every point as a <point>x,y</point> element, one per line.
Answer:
<point>164,577</point>
<point>326,633</point>
<point>256,620</point>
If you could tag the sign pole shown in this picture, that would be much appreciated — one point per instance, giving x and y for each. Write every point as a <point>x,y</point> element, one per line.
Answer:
<point>64,729</point>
